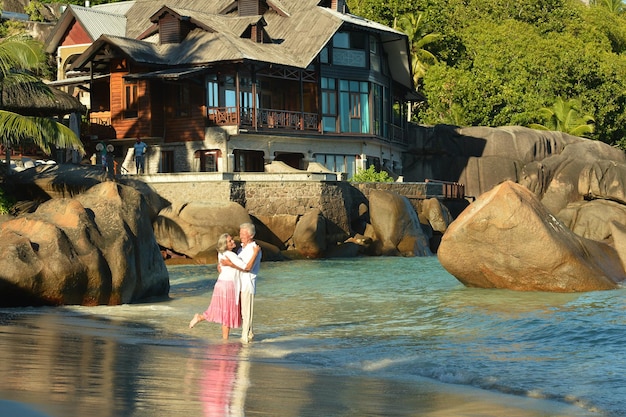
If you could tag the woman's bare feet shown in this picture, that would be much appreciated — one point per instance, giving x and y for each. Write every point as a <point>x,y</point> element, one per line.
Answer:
<point>197,318</point>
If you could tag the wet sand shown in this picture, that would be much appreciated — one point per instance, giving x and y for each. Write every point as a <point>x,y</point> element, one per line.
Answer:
<point>222,381</point>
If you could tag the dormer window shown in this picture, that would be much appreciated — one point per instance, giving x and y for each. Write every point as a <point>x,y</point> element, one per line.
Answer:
<point>251,7</point>
<point>173,29</point>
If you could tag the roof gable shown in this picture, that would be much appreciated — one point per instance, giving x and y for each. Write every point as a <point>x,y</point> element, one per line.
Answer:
<point>93,23</point>
<point>75,35</point>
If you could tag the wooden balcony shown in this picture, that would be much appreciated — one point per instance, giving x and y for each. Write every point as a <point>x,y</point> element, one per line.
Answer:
<point>99,126</point>
<point>283,120</point>
<point>263,118</point>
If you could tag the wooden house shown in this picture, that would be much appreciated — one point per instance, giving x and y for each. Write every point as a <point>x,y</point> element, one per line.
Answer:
<point>233,85</point>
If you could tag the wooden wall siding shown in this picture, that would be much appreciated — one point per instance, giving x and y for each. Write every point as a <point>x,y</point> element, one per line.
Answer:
<point>189,128</point>
<point>75,35</point>
<point>257,33</point>
<point>157,100</point>
<point>129,127</point>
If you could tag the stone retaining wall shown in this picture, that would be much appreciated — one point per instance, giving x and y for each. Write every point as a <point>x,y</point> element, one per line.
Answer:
<point>338,201</point>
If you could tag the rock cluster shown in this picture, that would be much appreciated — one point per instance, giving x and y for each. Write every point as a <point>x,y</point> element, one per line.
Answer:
<point>95,248</point>
<point>578,184</point>
<point>549,215</point>
<point>508,239</point>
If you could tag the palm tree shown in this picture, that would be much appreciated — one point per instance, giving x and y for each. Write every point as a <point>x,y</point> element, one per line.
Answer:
<point>411,24</point>
<point>565,116</point>
<point>614,6</point>
<point>20,58</point>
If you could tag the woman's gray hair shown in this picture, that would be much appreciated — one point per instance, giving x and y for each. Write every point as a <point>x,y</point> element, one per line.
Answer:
<point>249,227</point>
<point>222,243</point>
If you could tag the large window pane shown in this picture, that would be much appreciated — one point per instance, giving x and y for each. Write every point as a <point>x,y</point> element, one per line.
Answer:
<point>344,111</point>
<point>329,123</point>
<point>341,40</point>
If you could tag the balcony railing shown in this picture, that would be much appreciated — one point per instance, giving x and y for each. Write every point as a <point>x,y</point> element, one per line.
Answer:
<point>449,189</point>
<point>100,118</point>
<point>222,116</point>
<point>264,118</point>
<point>249,117</point>
<point>99,126</point>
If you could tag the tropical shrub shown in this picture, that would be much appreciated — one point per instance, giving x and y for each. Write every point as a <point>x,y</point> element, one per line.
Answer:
<point>371,175</point>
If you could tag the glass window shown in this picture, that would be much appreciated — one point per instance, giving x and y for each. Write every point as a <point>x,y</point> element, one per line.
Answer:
<point>338,163</point>
<point>324,56</point>
<point>349,49</point>
<point>357,40</point>
<point>341,40</point>
<point>182,105</point>
<point>212,90</point>
<point>374,54</point>
<point>230,98</point>
<point>354,106</point>
<point>329,104</point>
<point>131,104</point>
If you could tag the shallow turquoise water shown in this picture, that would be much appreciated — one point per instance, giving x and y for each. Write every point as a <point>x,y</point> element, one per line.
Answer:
<point>399,324</point>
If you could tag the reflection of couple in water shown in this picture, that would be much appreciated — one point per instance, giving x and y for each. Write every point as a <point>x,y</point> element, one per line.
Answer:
<point>232,303</point>
<point>224,382</point>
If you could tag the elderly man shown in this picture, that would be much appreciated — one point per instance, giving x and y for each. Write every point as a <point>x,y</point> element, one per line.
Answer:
<point>247,253</point>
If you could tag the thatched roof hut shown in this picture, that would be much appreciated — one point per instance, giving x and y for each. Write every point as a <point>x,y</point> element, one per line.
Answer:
<point>38,99</point>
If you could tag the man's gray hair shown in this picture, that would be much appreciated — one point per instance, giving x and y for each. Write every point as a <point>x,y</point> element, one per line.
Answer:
<point>249,227</point>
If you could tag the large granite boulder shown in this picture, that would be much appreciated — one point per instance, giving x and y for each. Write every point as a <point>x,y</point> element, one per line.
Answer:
<point>276,229</point>
<point>563,171</point>
<point>508,239</point>
<point>309,236</point>
<point>396,226</point>
<point>96,248</point>
<point>192,228</point>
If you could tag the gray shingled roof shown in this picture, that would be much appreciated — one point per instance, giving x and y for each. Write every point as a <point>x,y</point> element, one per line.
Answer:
<point>299,30</point>
<point>138,16</point>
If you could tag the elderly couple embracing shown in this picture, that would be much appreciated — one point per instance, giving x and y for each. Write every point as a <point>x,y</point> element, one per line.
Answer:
<point>232,303</point>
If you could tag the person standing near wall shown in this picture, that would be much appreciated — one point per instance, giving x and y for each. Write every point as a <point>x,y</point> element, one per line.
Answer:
<point>140,155</point>
<point>110,161</point>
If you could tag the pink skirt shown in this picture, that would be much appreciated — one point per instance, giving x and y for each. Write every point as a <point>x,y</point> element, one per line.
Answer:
<point>224,307</point>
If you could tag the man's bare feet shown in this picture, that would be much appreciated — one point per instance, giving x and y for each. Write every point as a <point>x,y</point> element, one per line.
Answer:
<point>195,320</point>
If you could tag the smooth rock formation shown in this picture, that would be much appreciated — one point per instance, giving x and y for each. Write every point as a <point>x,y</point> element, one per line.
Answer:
<point>309,236</point>
<point>97,248</point>
<point>192,228</point>
<point>396,225</point>
<point>508,239</point>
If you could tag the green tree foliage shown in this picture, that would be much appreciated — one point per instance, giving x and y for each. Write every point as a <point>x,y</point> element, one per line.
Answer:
<point>503,62</point>
<point>6,202</point>
<point>565,116</point>
<point>500,62</point>
<point>20,58</point>
<point>34,11</point>
<point>614,6</point>
<point>371,175</point>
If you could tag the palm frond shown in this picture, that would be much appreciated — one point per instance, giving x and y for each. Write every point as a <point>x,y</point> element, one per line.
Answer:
<point>43,131</point>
